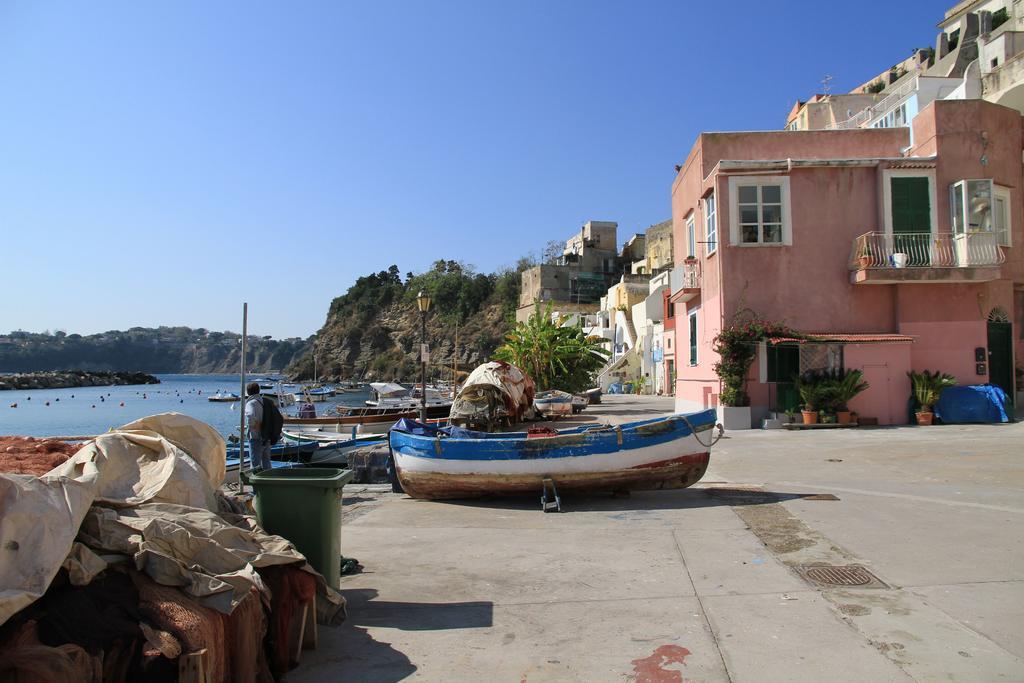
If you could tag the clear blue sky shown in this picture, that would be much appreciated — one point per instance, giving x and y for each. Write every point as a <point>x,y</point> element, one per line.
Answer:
<point>151,151</point>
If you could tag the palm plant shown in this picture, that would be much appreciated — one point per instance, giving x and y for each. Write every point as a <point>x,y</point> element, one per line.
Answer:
<point>555,356</point>
<point>808,385</point>
<point>849,384</point>
<point>928,387</point>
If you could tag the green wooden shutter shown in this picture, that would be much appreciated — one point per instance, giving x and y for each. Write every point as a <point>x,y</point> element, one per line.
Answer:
<point>911,213</point>
<point>911,206</point>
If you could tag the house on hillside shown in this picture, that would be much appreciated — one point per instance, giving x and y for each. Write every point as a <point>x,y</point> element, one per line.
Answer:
<point>891,249</point>
<point>576,280</point>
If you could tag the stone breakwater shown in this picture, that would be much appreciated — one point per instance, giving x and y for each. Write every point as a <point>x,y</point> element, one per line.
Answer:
<point>67,379</point>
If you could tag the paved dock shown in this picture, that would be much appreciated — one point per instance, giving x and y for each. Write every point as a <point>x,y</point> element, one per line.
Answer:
<point>704,584</point>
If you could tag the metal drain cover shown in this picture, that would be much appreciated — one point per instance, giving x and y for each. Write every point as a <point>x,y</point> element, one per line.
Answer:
<point>850,575</point>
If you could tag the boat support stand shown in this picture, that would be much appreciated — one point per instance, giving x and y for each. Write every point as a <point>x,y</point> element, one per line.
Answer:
<point>549,499</point>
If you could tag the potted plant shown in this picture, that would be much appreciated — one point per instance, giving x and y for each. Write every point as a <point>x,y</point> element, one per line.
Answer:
<point>849,383</point>
<point>807,386</point>
<point>864,255</point>
<point>928,387</point>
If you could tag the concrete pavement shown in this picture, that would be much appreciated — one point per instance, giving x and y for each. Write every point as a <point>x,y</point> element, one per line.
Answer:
<point>703,584</point>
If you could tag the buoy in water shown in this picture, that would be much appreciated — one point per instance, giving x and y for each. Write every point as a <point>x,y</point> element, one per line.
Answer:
<point>47,403</point>
<point>122,404</point>
<point>14,405</point>
<point>93,405</point>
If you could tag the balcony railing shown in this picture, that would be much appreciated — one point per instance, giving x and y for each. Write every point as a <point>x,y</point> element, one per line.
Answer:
<point>874,250</point>
<point>887,103</point>
<point>691,275</point>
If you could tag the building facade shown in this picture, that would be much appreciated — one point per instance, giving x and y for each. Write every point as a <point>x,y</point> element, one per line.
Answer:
<point>889,255</point>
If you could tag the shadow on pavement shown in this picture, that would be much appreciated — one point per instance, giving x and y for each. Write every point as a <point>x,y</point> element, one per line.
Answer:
<point>644,500</point>
<point>364,610</point>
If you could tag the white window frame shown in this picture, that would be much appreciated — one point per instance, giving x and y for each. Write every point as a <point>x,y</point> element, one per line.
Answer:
<point>888,174</point>
<point>735,231</point>
<point>710,224</point>
<point>693,348</point>
<point>1002,193</point>
<point>691,235</point>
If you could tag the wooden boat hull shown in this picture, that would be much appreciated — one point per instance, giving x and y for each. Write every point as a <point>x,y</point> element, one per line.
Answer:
<point>656,454</point>
<point>677,473</point>
<point>344,423</point>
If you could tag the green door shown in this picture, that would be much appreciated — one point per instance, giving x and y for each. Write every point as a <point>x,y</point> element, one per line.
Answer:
<point>1000,357</point>
<point>911,213</point>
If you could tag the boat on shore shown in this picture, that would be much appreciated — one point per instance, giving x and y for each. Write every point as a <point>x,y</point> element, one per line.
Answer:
<point>553,403</point>
<point>494,394</point>
<point>662,453</point>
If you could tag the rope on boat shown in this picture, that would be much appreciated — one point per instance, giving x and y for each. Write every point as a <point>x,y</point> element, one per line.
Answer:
<point>693,430</point>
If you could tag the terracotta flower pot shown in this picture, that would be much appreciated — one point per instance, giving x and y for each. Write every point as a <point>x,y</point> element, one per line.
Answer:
<point>843,417</point>
<point>810,416</point>
<point>924,418</point>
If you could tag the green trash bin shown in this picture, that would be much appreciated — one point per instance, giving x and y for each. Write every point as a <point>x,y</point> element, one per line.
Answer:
<point>303,504</point>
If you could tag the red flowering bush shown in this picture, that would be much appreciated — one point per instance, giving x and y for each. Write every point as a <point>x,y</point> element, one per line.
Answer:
<point>736,346</point>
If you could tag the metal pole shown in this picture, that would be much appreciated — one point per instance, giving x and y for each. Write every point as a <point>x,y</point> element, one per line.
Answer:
<point>423,367</point>
<point>242,441</point>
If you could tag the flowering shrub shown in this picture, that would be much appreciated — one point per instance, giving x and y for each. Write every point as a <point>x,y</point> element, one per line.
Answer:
<point>736,346</point>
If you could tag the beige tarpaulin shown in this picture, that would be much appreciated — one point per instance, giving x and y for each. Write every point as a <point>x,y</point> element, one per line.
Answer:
<point>169,458</point>
<point>148,492</point>
<point>495,380</point>
<point>39,517</point>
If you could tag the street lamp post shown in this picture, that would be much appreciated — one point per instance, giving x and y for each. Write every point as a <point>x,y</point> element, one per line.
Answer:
<point>423,302</point>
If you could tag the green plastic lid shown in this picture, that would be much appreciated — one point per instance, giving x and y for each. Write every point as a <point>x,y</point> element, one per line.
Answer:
<point>324,477</point>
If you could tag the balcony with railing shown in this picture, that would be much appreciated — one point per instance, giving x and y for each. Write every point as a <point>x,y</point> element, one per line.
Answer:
<point>687,284</point>
<point>885,258</point>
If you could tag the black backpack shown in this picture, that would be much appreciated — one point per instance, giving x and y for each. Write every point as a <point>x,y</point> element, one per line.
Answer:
<point>273,421</point>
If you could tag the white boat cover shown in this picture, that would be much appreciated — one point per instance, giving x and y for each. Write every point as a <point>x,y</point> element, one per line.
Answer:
<point>148,491</point>
<point>389,389</point>
<point>515,388</point>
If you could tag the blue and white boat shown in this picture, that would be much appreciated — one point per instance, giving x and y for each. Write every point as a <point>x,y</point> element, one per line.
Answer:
<point>662,453</point>
<point>553,403</point>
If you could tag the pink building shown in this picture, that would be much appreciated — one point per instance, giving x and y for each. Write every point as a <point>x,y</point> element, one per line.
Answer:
<point>895,257</point>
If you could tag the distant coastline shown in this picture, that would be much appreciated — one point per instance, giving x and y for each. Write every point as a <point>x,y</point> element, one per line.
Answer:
<point>68,379</point>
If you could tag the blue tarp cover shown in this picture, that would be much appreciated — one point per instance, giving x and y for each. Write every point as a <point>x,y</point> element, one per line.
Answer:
<point>415,427</point>
<point>977,403</point>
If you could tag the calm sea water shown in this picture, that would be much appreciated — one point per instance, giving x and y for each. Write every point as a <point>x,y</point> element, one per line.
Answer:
<point>93,410</point>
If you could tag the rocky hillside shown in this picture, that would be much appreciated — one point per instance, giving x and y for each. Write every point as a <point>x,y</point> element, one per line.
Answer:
<point>372,332</point>
<point>159,350</point>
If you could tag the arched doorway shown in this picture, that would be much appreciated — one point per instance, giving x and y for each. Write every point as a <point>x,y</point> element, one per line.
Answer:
<point>1000,351</point>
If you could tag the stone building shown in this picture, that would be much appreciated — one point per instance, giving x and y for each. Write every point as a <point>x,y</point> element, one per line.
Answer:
<point>576,280</point>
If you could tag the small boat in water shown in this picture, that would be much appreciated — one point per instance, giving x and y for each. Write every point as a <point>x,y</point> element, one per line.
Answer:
<point>395,396</point>
<point>223,397</point>
<point>662,453</point>
<point>293,451</point>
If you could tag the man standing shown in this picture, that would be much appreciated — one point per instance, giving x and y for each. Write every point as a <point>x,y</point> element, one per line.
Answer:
<point>259,448</point>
